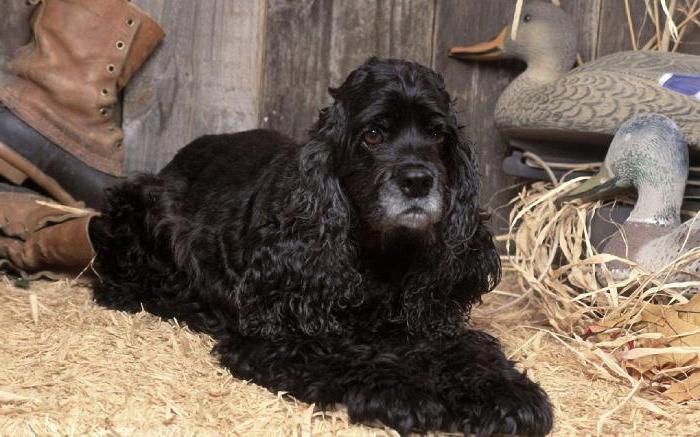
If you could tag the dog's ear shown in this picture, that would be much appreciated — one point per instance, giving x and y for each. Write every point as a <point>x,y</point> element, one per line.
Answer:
<point>331,124</point>
<point>332,121</point>
<point>464,229</point>
<point>310,249</point>
<point>319,196</point>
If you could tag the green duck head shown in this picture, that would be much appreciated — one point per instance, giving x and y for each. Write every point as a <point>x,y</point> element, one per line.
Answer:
<point>649,155</point>
<point>546,40</point>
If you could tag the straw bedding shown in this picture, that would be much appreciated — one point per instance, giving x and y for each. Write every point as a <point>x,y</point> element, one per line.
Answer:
<point>69,367</point>
<point>643,331</point>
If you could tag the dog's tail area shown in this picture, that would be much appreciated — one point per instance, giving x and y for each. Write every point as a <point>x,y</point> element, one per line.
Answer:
<point>136,261</point>
<point>133,262</point>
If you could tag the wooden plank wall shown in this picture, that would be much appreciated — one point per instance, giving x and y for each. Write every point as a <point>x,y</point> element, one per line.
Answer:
<point>204,78</point>
<point>311,45</point>
<point>228,65</point>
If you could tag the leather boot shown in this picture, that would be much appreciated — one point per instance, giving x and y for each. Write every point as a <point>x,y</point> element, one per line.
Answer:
<point>40,238</point>
<point>67,83</point>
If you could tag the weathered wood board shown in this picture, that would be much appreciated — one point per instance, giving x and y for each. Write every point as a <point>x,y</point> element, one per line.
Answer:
<point>204,78</point>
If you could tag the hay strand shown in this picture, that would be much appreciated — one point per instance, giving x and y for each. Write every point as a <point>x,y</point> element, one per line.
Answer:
<point>630,25</point>
<point>516,19</point>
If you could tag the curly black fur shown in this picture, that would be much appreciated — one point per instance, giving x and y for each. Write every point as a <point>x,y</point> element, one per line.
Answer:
<point>303,265</point>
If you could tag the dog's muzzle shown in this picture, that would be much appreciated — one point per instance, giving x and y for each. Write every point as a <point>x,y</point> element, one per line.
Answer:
<point>411,197</point>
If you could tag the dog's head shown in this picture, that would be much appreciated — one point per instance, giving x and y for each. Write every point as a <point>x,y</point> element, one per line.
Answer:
<point>400,157</point>
<point>387,171</point>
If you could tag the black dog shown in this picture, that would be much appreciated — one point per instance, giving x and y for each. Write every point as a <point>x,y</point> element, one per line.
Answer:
<point>339,271</point>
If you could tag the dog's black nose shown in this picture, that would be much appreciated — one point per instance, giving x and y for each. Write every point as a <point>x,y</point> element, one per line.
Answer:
<point>414,180</point>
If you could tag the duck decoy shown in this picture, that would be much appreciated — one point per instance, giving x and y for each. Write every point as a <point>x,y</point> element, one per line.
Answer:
<point>554,111</point>
<point>649,155</point>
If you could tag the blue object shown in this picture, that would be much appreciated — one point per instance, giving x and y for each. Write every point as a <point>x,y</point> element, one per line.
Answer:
<point>681,83</point>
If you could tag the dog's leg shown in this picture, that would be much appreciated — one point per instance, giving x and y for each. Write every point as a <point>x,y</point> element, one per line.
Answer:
<point>372,380</point>
<point>485,393</point>
<point>460,383</point>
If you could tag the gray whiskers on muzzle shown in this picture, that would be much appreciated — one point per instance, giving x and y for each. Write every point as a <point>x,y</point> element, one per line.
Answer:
<point>400,210</point>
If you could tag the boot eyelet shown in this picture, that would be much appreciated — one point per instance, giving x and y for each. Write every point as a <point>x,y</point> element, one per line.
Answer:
<point>104,112</point>
<point>104,92</point>
<point>130,22</point>
<point>111,68</point>
<point>120,45</point>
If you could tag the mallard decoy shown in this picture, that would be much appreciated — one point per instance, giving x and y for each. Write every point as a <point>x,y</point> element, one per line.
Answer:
<point>572,108</point>
<point>648,154</point>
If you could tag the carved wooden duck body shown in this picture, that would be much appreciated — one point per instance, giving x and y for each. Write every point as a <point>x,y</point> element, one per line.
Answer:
<point>587,104</point>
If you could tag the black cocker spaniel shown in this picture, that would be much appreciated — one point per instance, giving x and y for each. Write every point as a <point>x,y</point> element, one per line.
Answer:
<point>341,270</point>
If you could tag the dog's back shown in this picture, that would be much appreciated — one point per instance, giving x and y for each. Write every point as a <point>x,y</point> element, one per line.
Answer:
<point>138,239</point>
<point>243,154</point>
<point>226,162</point>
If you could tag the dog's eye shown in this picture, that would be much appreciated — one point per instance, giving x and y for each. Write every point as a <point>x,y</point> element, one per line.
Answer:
<point>438,136</point>
<point>372,137</point>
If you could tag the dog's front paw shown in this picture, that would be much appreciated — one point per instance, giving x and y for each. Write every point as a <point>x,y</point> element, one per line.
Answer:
<point>400,406</point>
<point>509,407</point>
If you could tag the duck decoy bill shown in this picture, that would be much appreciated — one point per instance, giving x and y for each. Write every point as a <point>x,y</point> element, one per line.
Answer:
<point>599,186</point>
<point>489,50</point>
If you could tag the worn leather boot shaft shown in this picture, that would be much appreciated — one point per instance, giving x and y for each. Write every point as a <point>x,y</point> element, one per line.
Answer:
<point>39,238</point>
<point>33,156</point>
<point>69,76</point>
